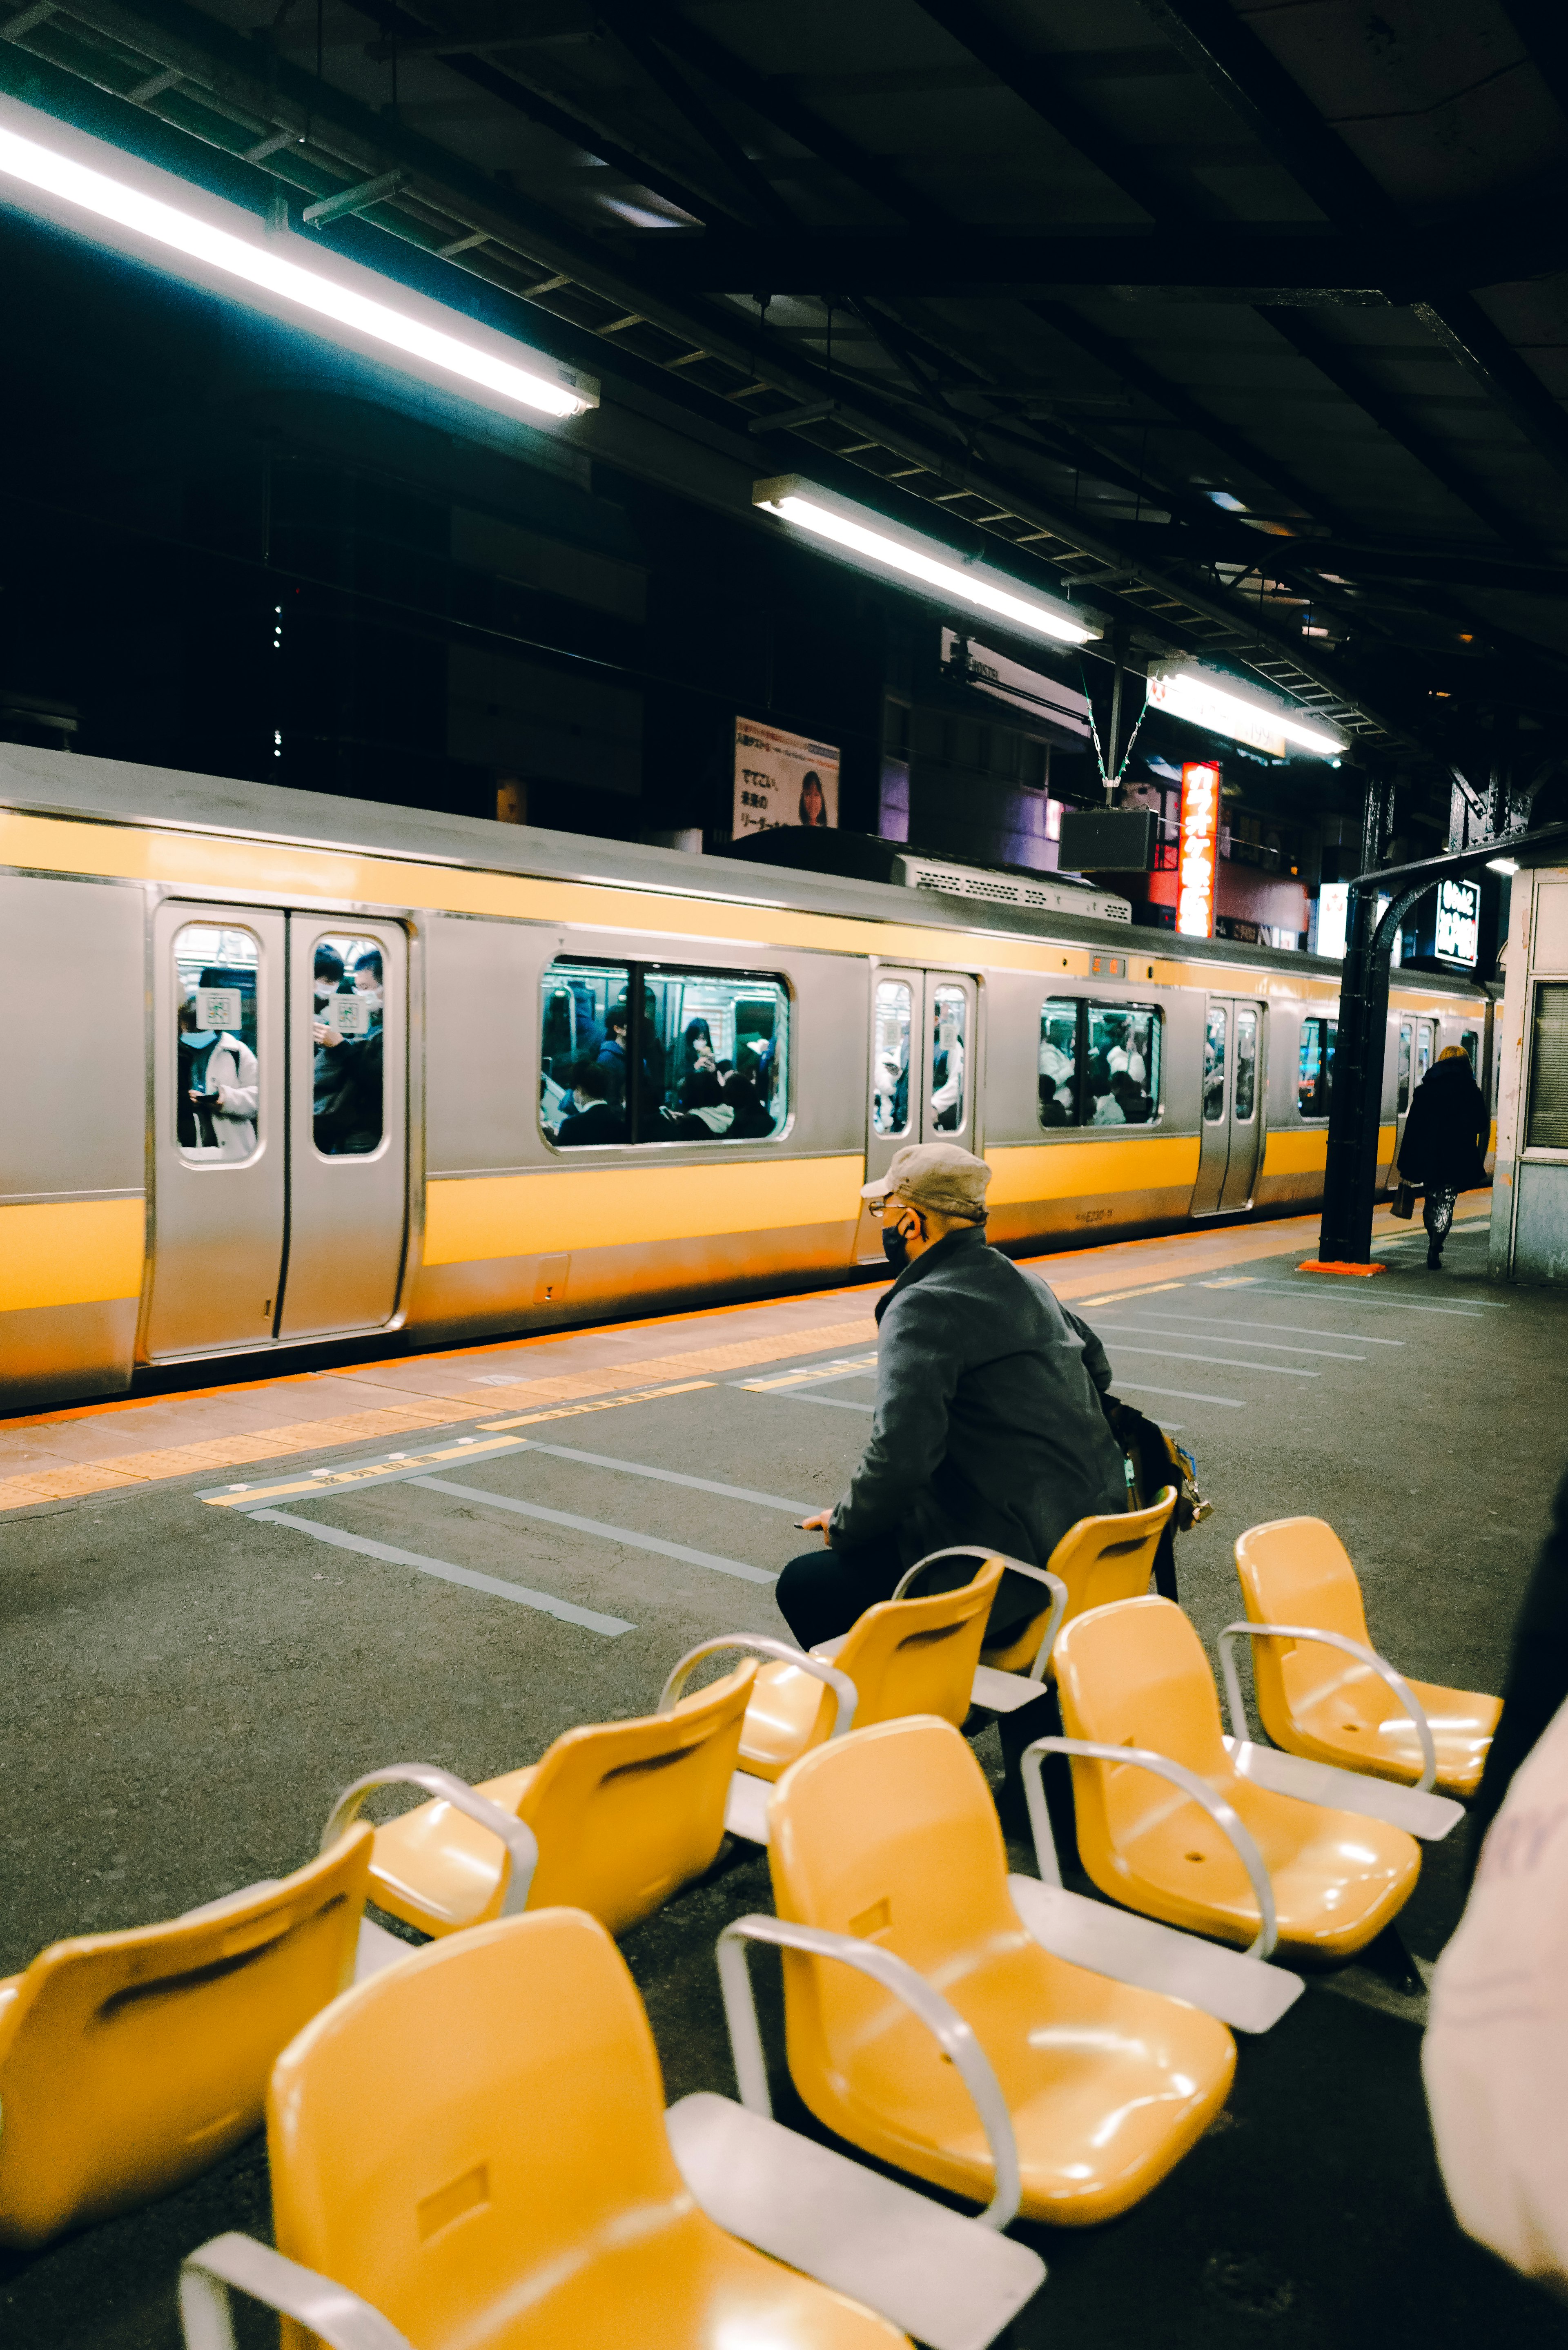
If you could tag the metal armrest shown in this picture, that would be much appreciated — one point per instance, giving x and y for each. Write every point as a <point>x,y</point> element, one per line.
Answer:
<point>330,2311</point>
<point>515,1834</point>
<point>762,1644</point>
<point>1052,1583</point>
<point>1223,1815</point>
<point>953,2036</point>
<point>1347,1646</point>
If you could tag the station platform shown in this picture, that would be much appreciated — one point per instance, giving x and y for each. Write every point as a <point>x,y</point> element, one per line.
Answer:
<point>223,1605</point>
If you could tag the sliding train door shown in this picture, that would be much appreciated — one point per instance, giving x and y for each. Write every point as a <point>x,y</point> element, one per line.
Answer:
<point>280,1128</point>
<point>924,1072</point>
<point>1232,1128</point>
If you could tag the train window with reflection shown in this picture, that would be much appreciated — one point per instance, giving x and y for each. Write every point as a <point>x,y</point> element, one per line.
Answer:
<point>1246,1094</point>
<point>948,1009</point>
<point>710,1050</point>
<point>1469,1044</point>
<point>346,1074</point>
<point>1099,1063</point>
<point>1402,1098</point>
<point>1214,1040</point>
<point>1548,1126</point>
<point>890,1058</point>
<point>1315,1076</point>
<point>217,1077</point>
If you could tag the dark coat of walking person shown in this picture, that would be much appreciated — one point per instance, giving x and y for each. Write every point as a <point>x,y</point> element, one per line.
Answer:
<point>987,1425</point>
<point>1443,1148</point>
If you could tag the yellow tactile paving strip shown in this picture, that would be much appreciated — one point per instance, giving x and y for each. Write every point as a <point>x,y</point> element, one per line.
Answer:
<point>243,1448</point>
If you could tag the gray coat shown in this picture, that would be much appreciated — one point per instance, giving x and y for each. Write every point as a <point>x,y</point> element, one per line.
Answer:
<point>988,1424</point>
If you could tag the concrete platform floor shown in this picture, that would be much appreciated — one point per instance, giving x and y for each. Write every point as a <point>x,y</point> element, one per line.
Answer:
<point>465,1553</point>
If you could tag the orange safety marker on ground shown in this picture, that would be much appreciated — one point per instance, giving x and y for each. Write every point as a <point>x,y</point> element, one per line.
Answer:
<point>1316,1265</point>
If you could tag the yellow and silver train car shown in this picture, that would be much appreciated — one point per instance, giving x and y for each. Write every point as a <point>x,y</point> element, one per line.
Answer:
<point>588,1078</point>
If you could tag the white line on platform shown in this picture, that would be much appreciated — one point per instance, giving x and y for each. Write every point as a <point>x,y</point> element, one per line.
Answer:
<point>1219,1362</point>
<point>1266,1345</point>
<point>803,1395</point>
<point>1295,1329</point>
<point>1349,1295</point>
<point>1182,1394</point>
<point>520,1592</point>
<point>597,1526</point>
<point>678,1477</point>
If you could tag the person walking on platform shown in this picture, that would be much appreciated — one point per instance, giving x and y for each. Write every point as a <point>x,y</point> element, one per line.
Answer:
<point>1444,1147</point>
<point>987,1425</point>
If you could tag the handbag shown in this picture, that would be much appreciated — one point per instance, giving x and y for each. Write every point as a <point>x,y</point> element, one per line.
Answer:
<point>1404,1203</point>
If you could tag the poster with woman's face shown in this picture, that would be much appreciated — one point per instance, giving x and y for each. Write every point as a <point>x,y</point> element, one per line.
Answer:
<point>783,778</point>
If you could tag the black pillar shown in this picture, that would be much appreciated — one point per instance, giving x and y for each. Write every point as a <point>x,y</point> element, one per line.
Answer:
<point>1356,1100</point>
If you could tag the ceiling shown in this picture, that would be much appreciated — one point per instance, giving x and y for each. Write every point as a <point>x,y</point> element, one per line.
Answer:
<point>1244,324</point>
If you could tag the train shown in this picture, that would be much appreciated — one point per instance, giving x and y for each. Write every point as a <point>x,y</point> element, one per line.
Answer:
<point>282,1071</point>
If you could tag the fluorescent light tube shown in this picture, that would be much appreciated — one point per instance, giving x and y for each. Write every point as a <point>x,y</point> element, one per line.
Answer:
<point>1223,708</point>
<point>98,189</point>
<point>1502,864</point>
<point>869,536</point>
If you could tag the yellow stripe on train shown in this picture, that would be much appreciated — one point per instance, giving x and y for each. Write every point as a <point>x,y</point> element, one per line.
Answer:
<point>71,1253</point>
<point>1090,1169</point>
<point>565,1208</point>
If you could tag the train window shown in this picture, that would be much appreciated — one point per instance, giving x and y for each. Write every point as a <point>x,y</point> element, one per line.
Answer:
<point>1214,1064</point>
<point>1469,1044</point>
<point>890,1061</point>
<point>1314,1081</point>
<point>1121,1072</point>
<point>1548,1128</point>
<point>1403,1103</point>
<point>1099,1063</point>
<point>346,1117</point>
<point>1059,1061</point>
<point>1246,1063</point>
<point>710,1050</point>
<point>217,1075</point>
<point>947,1011</point>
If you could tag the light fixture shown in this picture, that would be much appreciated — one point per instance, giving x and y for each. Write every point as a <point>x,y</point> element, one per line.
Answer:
<point>1224,706</point>
<point>1509,865</point>
<point>91,188</point>
<point>870,537</point>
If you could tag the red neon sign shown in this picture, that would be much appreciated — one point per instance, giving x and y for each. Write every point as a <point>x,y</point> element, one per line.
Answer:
<point>1199,850</point>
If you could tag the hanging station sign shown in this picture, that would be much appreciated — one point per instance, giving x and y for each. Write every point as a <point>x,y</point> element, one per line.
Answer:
<point>783,779</point>
<point>1198,854</point>
<point>1458,938</point>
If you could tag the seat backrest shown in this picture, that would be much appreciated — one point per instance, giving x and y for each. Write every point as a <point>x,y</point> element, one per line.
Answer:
<point>1134,1675</point>
<point>626,1812</point>
<point>130,2062</point>
<point>918,1655</point>
<point>1102,1560</point>
<point>471,2125</point>
<point>889,1835</point>
<point>1296,1571</point>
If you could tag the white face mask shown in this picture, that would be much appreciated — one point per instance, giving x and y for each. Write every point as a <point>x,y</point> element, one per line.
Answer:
<point>323,992</point>
<point>370,996</point>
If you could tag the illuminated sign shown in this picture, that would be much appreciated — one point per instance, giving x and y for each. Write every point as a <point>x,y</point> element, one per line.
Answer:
<point>783,779</point>
<point>1198,855</point>
<point>1333,918</point>
<point>1459,923</point>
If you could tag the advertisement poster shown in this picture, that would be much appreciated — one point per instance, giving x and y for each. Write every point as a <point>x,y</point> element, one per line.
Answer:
<point>782,779</point>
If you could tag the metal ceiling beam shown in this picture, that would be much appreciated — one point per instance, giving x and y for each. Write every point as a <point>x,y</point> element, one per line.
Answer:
<point>1258,263</point>
<point>1544,29</point>
<point>1232,58</point>
<point>627,20</point>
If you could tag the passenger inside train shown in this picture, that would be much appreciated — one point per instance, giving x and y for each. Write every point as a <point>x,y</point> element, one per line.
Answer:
<point>717,1074</point>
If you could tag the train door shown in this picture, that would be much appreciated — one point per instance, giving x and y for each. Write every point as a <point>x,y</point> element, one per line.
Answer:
<point>924,1081</point>
<point>279,1171</point>
<point>1416,1050</point>
<point>1231,1126</point>
<point>347,1157</point>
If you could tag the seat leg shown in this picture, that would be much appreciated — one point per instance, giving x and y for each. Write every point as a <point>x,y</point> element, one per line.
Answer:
<point>1389,1955</point>
<point>1043,1719</point>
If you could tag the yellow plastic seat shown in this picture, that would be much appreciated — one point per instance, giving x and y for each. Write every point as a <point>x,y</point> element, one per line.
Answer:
<point>130,2062</point>
<point>890,1837</point>
<point>1100,1560</point>
<point>904,1655</point>
<point>624,1813</point>
<point>1317,1701</point>
<point>473,2143</point>
<point>1135,1675</point>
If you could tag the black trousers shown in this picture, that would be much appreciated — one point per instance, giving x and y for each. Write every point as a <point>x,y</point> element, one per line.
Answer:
<point>824,1592</point>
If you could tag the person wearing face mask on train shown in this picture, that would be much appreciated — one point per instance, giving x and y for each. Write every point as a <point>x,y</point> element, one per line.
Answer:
<point>348,1069</point>
<point>988,1426</point>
